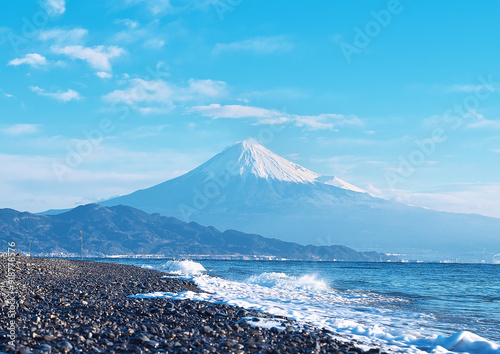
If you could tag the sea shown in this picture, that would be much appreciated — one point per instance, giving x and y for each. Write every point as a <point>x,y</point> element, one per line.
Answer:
<point>402,307</point>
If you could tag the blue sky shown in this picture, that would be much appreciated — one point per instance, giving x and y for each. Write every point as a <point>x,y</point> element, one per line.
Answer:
<point>101,98</point>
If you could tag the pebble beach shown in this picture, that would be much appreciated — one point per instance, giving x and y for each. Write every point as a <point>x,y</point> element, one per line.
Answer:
<point>71,306</point>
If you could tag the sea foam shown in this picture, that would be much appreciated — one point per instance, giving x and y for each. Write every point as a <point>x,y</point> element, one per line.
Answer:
<point>310,300</point>
<point>183,268</point>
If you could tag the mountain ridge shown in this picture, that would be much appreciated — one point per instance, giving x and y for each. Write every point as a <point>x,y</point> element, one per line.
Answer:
<point>123,230</point>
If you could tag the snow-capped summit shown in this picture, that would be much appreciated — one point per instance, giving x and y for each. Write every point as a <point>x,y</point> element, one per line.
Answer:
<point>251,158</point>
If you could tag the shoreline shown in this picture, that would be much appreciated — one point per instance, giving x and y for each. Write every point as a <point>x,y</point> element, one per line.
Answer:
<point>75,306</point>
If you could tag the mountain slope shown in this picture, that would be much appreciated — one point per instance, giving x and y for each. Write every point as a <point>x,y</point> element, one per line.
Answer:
<point>125,230</point>
<point>249,188</point>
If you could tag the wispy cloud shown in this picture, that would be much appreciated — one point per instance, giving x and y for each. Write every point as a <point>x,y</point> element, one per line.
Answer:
<point>64,96</point>
<point>204,88</point>
<point>271,116</point>
<point>64,36</point>
<point>154,43</point>
<point>97,57</point>
<point>163,7</point>
<point>259,45</point>
<point>149,37</point>
<point>155,6</point>
<point>142,91</point>
<point>278,93</point>
<point>103,75</point>
<point>216,111</point>
<point>127,22</point>
<point>467,88</point>
<point>26,180</point>
<point>32,59</point>
<point>20,129</point>
<point>484,124</point>
<point>327,121</point>
<point>158,96</point>
<point>479,198</point>
<point>54,7</point>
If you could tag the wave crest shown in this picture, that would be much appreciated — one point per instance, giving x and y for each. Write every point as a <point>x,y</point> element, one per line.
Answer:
<point>284,281</point>
<point>184,267</point>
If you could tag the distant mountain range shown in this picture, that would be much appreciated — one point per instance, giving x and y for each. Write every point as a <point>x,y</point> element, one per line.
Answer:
<point>249,188</point>
<point>122,230</point>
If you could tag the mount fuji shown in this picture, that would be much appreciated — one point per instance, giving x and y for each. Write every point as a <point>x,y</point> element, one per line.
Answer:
<point>249,188</point>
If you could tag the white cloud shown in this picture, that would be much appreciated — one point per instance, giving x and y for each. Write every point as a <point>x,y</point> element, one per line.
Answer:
<point>326,121</point>
<point>20,129</point>
<point>143,91</point>
<point>215,111</point>
<point>32,59</point>
<point>206,88</point>
<point>270,116</point>
<point>159,96</point>
<point>64,96</point>
<point>484,123</point>
<point>260,45</point>
<point>103,75</point>
<point>59,35</point>
<point>97,57</point>
<point>54,7</point>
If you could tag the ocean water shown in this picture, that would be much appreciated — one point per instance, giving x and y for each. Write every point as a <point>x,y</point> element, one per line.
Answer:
<point>409,308</point>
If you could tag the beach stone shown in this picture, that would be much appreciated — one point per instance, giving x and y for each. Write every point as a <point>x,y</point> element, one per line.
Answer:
<point>353,350</point>
<point>151,344</point>
<point>64,346</point>
<point>242,313</point>
<point>206,330</point>
<point>46,348</point>
<point>9,348</point>
<point>238,346</point>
